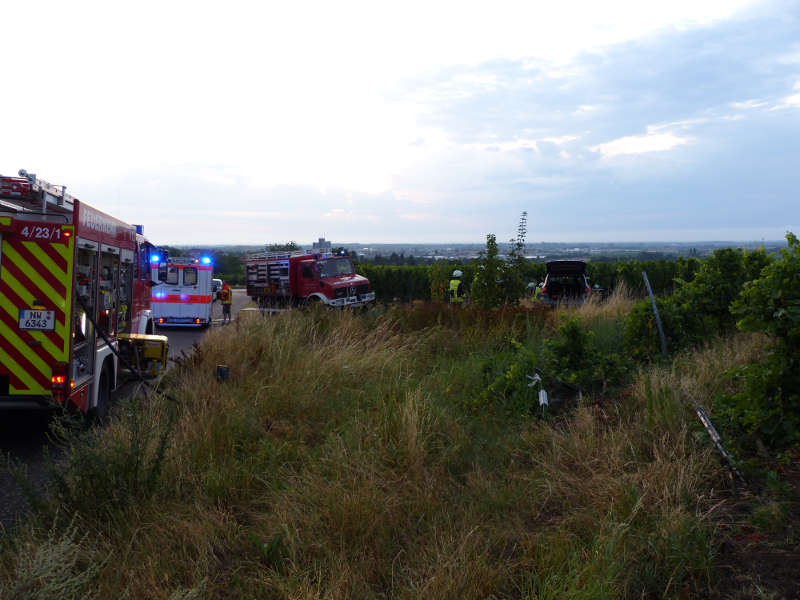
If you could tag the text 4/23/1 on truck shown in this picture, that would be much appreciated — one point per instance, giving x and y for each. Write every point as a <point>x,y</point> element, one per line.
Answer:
<point>74,285</point>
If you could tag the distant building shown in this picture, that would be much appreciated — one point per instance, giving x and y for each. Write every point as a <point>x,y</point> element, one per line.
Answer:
<point>322,245</point>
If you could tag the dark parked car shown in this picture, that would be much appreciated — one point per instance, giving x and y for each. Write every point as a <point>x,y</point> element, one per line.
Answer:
<point>565,283</point>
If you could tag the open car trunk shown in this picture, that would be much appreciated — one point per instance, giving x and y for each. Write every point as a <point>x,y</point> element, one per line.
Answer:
<point>566,267</point>
<point>565,281</point>
<point>565,286</point>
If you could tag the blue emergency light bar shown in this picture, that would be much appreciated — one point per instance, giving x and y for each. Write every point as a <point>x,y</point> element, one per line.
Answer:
<point>206,260</point>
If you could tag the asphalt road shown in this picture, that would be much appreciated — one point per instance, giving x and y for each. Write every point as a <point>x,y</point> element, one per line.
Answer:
<point>23,435</point>
<point>182,339</point>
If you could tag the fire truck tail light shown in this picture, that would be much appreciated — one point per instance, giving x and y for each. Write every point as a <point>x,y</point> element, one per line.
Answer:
<point>58,379</point>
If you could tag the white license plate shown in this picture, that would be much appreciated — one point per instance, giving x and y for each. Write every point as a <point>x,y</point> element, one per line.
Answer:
<point>43,320</point>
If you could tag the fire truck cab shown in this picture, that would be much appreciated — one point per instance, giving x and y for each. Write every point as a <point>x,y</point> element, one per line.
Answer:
<point>72,281</point>
<point>181,294</point>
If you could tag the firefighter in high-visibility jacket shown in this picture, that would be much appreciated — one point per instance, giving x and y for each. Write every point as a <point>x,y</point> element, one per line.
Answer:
<point>456,288</point>
<point>226,298</point>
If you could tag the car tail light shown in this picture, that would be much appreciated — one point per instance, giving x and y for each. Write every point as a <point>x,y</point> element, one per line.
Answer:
<point>197,321</point>
<point>58,381</point>
<point>161,320</point>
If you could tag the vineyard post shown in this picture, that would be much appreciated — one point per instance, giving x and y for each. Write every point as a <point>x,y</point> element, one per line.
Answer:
<point>658,318</point>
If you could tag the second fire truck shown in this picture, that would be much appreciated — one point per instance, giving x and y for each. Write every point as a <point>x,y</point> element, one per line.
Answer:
<point>73,282</point>
<point>296,278</point>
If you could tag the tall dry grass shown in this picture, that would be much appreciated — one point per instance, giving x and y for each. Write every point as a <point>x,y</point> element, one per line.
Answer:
<point>332,464</point>
<point>698,375</point>
<point>613,308</point>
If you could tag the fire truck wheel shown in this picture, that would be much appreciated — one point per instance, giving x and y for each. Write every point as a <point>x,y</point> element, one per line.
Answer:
<point>100,412</point>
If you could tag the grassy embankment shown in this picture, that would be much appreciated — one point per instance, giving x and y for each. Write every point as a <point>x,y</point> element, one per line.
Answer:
<point>347,457</point>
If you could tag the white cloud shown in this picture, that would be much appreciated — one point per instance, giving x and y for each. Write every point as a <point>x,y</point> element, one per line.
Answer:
<point>749,104</point>
<point>418,217</point>
<point>640,144</point>
<point>791,101</point>
<point>340,214</point>
<point>245,100</point>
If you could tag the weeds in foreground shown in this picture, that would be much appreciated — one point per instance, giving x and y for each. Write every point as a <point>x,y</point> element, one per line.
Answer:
<point>337,461</point>
<point>53,567</point>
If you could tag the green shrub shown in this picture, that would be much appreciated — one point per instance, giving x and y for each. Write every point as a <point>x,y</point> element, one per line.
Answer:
<point>575,358</point>
<point>682,328</point>
<point>487,290</point>
<point>718,282</point>
<point>114,466</point>
<point>578,357</point>
<point>768,407</point>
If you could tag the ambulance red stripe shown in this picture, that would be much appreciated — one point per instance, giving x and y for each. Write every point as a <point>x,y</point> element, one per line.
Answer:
<point>176,299</point>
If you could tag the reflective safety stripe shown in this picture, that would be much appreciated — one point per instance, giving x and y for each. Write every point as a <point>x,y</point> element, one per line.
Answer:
<point>454,297</point>
<point>33,272</point>
<point>181,299</point>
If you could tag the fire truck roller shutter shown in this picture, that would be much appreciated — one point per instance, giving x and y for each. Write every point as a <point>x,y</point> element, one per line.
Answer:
<point>108,289</point>
<point>126,275</point>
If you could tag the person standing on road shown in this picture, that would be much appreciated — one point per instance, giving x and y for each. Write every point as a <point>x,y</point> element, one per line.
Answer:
<point>226,298</point>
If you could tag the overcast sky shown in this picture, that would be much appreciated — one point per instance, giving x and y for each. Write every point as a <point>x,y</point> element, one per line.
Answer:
<point>253,122</point>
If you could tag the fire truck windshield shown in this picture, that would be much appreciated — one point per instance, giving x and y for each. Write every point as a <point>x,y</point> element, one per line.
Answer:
<point>335,266</point>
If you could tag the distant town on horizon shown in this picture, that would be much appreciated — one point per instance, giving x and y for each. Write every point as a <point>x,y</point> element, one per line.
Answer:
<point>533,250</point>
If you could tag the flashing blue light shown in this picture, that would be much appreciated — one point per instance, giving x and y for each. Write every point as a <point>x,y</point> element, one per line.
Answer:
<point>206,260</point>
<point>155,258</point>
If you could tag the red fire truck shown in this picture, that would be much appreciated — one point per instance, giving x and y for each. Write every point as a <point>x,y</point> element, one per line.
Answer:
<point>297,277</point>
<point>66,270</point>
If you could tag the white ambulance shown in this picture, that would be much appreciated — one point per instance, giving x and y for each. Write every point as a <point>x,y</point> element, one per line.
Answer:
<point>181,294</point>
